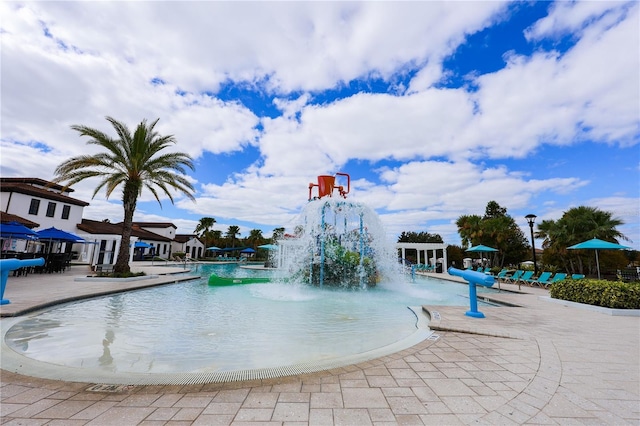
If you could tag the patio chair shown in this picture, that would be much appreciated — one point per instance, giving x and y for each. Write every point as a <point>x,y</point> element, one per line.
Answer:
<point>577,276</point>
<point>541,281</point>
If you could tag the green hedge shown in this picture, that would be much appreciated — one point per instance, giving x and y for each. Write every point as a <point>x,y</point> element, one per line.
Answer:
<point>608,294</point>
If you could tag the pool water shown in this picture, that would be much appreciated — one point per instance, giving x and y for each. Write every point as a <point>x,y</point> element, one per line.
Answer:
<point>192,327</point>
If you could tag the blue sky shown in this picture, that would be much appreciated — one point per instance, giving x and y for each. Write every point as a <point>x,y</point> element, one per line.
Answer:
<point>433,108</point>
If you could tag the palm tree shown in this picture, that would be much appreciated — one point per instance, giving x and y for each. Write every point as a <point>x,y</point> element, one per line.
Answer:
<point>470,229</point>
<point>576,225</point>
<point>255,238</point>
<point>133,162</point>
<point>216,235</point>
<point>232,232</point>
<point>203,229</point>
<point>278,234</point>
<point>495,229</point>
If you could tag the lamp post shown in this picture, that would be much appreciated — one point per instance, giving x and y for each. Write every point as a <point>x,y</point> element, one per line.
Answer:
<point>531,218</point>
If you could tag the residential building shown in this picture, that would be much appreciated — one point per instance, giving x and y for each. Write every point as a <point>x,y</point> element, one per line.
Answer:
<point>106,236</point>
<point>38,204</point>
<point>42,202</point>
<point>190,244</point>
<point>162,248</point>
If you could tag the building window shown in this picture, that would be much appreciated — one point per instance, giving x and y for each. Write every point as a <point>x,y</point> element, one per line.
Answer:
<point>34,207</point>
<point>164,249</point>
<point>65,212</point>
<point>51,209</point>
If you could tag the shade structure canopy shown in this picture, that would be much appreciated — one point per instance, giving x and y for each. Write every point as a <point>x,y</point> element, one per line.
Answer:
<point>481,249</point>
<point>248,250</point>
<point>142,244</point>
<point>597,244</point>
<point>268,247</point>
<point>17,230</point>
<point>55,234</point>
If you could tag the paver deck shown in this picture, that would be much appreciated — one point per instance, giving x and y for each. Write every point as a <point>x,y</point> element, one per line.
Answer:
<point>540,363</point>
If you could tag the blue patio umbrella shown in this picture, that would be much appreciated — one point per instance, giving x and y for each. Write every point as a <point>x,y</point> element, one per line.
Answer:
<point>268,247</point>
<point>17,231</point>
<point>55,234</point>
<point>248,250</point>
<point>142,244</point>
<point>596,244</point>
<point>213,248</point>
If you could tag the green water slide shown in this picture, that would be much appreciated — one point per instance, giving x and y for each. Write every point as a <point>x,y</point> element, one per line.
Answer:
<point>224,281</point>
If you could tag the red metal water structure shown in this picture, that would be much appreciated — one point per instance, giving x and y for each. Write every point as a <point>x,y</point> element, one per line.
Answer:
<point>327,184</point>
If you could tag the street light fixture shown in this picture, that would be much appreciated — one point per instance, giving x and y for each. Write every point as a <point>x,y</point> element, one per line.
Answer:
<point>531,218</point>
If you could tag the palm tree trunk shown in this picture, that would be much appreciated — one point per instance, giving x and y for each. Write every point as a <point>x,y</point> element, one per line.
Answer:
<point>129,201</point>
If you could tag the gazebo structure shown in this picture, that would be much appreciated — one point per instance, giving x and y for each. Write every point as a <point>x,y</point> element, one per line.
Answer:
<point>429,252</point>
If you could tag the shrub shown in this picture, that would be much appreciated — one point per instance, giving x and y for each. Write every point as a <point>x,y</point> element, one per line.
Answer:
<point>608,294</point>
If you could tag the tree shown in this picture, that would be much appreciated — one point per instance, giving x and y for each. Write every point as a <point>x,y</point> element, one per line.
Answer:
<point>278,234</point>
<point>133,162</point>
<point>216,236</point>
<point>419,237</point>
<point>203,229</point>
<point>470,229</point>
<point>255,238</point>
<point>577,225</point>
<point>495,229</point>
<point>232,232</point>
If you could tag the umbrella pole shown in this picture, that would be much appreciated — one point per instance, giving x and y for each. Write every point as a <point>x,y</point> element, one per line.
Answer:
<point>598,264</point>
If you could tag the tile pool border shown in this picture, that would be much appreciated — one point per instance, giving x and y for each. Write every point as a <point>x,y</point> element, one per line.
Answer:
<point>14,362</point>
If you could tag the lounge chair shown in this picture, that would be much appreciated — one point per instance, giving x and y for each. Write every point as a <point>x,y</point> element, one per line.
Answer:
<point>502,275</point>
<point>560,276</point>
<point>515,277</point>
<point>526,276</point>
<point>541,281</point>
<point>577,276</point>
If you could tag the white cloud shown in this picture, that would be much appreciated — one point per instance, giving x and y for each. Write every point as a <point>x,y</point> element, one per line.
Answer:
<point>571,17</point>
<point>589,93</point>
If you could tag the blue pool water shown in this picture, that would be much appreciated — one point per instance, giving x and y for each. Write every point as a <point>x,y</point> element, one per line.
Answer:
<point>192,327</point>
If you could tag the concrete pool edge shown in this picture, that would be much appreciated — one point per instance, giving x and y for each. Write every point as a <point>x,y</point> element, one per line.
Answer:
<point>14,362</point>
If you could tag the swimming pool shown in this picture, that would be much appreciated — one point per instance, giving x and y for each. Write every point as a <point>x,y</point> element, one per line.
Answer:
<point>204,333</point>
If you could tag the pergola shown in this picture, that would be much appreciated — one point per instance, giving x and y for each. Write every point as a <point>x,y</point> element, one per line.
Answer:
<point>428,250</point>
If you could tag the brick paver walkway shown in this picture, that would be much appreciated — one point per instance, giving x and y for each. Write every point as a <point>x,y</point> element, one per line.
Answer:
<point>540,363</point>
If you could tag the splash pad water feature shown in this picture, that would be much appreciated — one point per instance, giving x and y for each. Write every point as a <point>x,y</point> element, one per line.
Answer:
<point>336,243</point>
